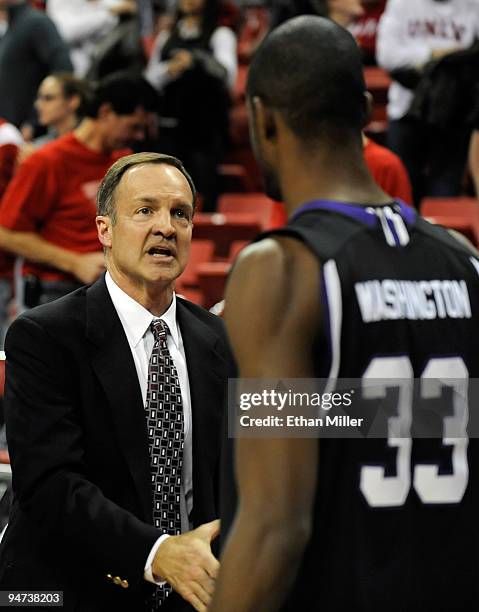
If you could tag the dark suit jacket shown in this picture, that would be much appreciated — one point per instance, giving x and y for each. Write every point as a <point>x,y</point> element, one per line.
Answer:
<point>79,449</point>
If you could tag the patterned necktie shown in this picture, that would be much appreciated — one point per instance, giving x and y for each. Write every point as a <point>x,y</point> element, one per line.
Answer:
<point>164,419</point>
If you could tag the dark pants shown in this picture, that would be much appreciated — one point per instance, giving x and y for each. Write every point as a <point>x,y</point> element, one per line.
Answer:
<point>434,158</point>
<point>37,291</point>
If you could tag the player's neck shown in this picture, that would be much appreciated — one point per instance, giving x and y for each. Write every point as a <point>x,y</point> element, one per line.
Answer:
<point>338,174</point>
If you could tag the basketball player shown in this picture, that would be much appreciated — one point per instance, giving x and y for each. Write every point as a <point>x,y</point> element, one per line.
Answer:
<point>356,285</point>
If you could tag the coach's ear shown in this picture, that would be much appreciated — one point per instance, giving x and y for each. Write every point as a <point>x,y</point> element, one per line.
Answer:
<point>103,226</point>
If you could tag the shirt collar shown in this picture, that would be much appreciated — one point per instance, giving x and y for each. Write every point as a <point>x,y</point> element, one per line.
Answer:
<point>135,318</point>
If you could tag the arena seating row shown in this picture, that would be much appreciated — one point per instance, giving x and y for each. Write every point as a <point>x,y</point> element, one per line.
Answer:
<point>239,171</point>
<point>217,239</point>
<point>460,214</point>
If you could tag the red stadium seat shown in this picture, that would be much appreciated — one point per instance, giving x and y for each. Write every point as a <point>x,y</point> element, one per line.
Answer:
<point>212,279</point>
<point>239,127</point>
<point>234,178</point>
<point>236,247</point>
<point>201,251</point>
<point>460,214</point>
<point>193,295</point>
<point>377,83</point>
<point>224,229</point>
<point>270,214</point>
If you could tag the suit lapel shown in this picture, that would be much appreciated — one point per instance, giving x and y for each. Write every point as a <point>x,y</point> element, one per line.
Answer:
<point>113,364</point>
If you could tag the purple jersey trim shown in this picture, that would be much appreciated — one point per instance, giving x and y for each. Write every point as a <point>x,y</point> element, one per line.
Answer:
<point>356,211</point>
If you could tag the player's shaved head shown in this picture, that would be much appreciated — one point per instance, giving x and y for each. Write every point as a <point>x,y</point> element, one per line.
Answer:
<point>309,69</point>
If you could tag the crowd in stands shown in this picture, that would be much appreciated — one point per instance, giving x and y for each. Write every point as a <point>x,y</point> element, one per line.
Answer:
<point>85,81</point>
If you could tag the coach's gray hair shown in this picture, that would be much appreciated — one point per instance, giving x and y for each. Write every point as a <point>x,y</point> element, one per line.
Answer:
<point>105,200</point>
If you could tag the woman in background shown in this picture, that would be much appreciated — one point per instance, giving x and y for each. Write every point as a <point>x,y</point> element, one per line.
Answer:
<point>194,67</point>
<point>59,105</point>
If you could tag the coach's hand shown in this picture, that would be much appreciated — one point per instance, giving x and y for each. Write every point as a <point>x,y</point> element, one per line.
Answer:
<point>188,565</point>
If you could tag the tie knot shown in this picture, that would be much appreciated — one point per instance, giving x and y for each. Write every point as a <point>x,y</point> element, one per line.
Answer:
<point>160,329</point>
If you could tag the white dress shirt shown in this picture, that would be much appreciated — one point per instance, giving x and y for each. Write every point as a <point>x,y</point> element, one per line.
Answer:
<point>136,321</point>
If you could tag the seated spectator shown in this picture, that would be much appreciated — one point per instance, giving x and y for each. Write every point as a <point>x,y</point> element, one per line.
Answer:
<point>47,214</point>
<point>194,67</point>
<point>412,35</point>
<point>84,23</point>
<point>10,141</point>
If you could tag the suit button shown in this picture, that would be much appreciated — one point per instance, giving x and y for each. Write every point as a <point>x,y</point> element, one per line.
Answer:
<point>124,584</point>
<point>117,580</point>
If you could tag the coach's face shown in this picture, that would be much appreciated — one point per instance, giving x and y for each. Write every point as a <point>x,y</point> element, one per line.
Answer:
<point>148,240</point>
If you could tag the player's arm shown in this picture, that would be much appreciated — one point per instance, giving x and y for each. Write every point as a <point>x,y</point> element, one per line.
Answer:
<point>272,308</point>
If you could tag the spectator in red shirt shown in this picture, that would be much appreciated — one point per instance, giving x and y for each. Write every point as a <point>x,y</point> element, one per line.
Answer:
<point>388,171</point>
<point>47,214</point>
<point>364,29</point>
<point>10,141</point>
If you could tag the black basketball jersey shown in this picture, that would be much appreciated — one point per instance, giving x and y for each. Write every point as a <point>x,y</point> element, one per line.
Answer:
<point>394,521</point>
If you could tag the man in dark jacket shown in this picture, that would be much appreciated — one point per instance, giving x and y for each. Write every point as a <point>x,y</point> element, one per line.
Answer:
<point>32,48</point>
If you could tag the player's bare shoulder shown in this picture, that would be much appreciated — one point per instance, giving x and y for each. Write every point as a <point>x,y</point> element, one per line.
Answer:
<point>279,276</point>
<point>272,302</point>
<point>276,268</point>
